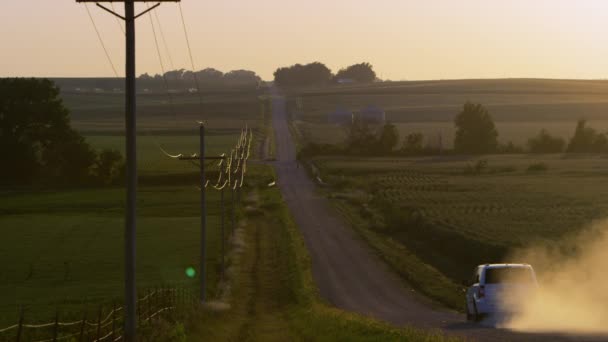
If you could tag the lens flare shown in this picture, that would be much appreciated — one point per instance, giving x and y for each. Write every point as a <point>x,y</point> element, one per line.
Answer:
<point>190,272</point>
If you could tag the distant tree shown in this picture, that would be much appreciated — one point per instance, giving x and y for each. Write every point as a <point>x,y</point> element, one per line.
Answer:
<point>587,140</point>
<point>413,143</point>
<point>546,143</point>
<point>36,140</point>
<point>388,138</point>
<point>360,138</point>
<point>362,72</point>
<point>303,75</point>
<point>475,130</point>
<point>241,77</point>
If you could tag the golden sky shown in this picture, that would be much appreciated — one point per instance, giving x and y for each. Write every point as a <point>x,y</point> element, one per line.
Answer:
<point>403,39</point>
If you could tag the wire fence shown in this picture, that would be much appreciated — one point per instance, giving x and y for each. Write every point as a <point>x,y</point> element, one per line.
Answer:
<point>107,324</point>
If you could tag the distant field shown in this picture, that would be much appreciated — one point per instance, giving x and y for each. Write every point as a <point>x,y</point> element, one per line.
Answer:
<point>520,108</point>
<point>453,218</point>
<point>104,112</point>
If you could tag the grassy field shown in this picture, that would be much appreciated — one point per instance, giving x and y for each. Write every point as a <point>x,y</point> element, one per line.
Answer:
<point>520,107</point>
<point>64,247</point>
<point>435,218</point>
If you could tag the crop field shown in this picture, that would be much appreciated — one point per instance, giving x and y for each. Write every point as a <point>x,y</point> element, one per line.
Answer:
<point>455,212</point>
<point>64,247</point>
<point>520,108</point>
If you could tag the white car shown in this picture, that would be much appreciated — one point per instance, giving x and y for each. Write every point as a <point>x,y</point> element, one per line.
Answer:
<point>497,288</point>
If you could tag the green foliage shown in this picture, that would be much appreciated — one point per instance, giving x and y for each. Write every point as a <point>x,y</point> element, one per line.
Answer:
<point>303,75</point>
<point>476,133</point>
<point>412,144</point>
<point>109,167</point>
<point>37,140</point>
<point>587,140</point>
<point>546,143</point>
<point>362,72</point>
<point>388,138</point>
<point>360,138</point>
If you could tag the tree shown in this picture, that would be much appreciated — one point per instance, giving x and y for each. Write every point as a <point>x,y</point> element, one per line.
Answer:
<point>109,168</point>
<point>586,140</point>
<point>413,143</point>
<point>388,138</point>
<point>36,140</point>
<point>362,72</point>
<point>475,130</point>
<point>546,143</point>
<point>360,139</point>
<point>303,75</point>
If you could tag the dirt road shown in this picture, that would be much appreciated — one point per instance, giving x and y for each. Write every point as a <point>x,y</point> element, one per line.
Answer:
<point>346,272</point>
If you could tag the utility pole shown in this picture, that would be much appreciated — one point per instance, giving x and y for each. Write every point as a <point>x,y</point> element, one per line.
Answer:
<point>131,152</point>
<point>201,159</point>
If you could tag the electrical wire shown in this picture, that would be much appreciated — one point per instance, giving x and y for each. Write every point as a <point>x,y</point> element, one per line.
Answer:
<point>118,20</point>
<point>105,50</point>
<point>198,87</point>
<point>162,68</point>
<point>162,35</point>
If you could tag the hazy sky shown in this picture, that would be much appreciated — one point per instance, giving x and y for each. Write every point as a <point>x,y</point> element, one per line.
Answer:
<point>403,39</point>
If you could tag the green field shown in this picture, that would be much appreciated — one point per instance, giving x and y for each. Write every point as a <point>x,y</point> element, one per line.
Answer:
<point>440,212</point>
<point>520,107</point>
<point>64,246</point>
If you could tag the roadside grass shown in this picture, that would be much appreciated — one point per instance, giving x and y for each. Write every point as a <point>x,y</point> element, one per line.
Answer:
<point>433,220</point>
<point>274,297</point>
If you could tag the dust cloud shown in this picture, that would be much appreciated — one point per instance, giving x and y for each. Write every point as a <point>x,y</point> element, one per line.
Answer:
<point>573,286</point>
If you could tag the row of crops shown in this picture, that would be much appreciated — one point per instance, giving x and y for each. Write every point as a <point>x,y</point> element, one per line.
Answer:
<point>480,216</point>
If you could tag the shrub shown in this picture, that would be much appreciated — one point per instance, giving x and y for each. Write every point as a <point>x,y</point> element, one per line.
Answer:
<point>546,143</point>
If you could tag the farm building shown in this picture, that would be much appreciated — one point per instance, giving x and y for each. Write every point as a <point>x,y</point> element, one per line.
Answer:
<point>341,117</point>
<point>372,114</point>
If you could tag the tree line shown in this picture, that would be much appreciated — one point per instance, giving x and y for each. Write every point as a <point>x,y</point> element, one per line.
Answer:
<point>317,73</point>
<point>183,78</point>
<point>38,145</point>
<point>476,134</point>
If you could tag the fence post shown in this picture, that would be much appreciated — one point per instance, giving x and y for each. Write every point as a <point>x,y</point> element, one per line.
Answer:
<point>233,208</point>
<point>138,311</point>
<point>56,326</point>
<point>98,324</point>
<point>20,327</point>
<point>222,214</point>
<point>113,323</point>
<point>149,300</point>
<point>82,325</point>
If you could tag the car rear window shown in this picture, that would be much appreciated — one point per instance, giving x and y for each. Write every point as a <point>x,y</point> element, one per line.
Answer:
<point>508,275</point>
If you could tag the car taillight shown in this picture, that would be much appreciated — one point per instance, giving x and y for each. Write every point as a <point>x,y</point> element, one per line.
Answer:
<point>481,292</point>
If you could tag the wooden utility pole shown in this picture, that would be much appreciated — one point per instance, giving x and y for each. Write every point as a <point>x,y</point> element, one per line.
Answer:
<point>201,159</point>
<point>131,151</point>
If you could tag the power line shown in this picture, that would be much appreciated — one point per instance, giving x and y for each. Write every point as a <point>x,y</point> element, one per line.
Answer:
<point>105,50</point>
<point>162,68</point>
<point>162,35</point>
<point>117,19</point>
<point>198,88</point>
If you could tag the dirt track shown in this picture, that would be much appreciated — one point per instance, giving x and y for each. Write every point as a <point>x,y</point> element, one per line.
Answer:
<point>347,273</point>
